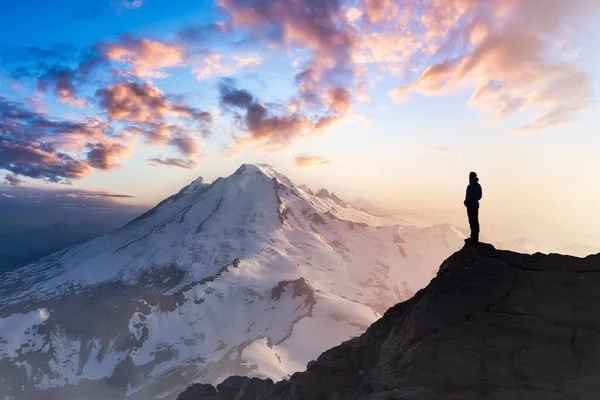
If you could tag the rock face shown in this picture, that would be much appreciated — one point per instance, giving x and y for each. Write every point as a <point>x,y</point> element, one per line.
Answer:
<point>492,325</point>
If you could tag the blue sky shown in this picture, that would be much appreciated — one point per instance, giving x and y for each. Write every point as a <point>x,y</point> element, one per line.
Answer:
<point>393,101</point>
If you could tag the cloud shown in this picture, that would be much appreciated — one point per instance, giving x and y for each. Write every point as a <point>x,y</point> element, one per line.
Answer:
<point>105,155</point>
<point>91,195</point>
<point>148,108</point>
<point>440,150</point>
<point>339,99</point>
<point>231,96</point>
<point>56,196</point>
<point>39,146</point>
<point>511,58</point>
<point>62,68</point>
<point>134,102</point>
<point>8,196</point>
<point>180,110</point>
<point>381,10</point>
<point>187,145</point>
<point>325,90</point>
<point>507,54</point>
<point>171,162</point>
<point>36,103</point>
<point>316,25</point>
<point>309,161</point>
<point>272,126</point>
<point>121,5</point>
<point>63,81</point>
<point>12,179</point>
<point>223,65</point>
<point>133,4</point>
<point>146,58</point>
<point>319,26</point>
<point>18,121</point>
<point>40,162</point>
<point>265,127</point>
<point>35,145</point>
<point>326,122</point>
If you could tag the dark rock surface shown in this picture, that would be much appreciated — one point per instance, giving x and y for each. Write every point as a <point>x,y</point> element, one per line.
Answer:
<point>492,325</point>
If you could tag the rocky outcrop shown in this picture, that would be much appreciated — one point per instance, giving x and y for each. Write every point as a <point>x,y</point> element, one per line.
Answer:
<point>492,325</point>
<point>324,194</point>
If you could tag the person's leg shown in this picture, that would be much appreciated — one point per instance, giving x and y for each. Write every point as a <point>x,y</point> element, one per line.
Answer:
<point>472,220</point>
<point>475,229</point>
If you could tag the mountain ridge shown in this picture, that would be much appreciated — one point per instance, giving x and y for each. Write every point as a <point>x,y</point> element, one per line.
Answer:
<point>492,325</point>
<point>235,276</point>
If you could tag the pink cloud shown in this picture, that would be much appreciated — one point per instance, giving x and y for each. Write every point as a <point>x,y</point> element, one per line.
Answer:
<point>134,102</point>
<point>314,25</point>
<point>105,155</point>
<point>505,53</point>
<point>339,99</point>
<point>320,26</point>
<point>31,159</point>
<point>381,10</point>
<point>309,161</point>
<point>223,65</point>
<point>146,58</point>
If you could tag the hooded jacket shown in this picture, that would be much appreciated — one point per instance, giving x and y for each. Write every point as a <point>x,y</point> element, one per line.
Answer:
<point>474,193</point>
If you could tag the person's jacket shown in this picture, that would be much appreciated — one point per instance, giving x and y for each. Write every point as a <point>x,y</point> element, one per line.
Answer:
<point>473,194</point>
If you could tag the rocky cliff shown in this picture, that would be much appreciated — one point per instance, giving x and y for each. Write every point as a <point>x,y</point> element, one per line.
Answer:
<point>492,325</point>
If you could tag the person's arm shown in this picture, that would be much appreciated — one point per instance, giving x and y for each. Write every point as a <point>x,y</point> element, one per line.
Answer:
<point>468,195</point>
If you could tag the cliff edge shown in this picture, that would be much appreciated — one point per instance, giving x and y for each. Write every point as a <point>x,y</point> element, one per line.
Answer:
<point>492,325</point>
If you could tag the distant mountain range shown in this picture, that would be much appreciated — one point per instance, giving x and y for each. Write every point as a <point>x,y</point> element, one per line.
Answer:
<point>247,275</point>
<point>365,205</point>
<point>521,245</point>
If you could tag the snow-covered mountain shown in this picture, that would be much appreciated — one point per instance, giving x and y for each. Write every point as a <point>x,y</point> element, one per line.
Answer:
<point>525,246</point>
<point>365,205</point>
<point>246,275</point>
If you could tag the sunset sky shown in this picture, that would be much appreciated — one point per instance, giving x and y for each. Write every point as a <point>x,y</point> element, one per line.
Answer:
<point>394,101</point>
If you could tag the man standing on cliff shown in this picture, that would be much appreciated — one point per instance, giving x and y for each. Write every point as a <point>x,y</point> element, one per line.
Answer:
<point>472,203</point>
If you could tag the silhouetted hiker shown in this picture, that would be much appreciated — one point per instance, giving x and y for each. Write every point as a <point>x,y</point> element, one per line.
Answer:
<point>472,203</point>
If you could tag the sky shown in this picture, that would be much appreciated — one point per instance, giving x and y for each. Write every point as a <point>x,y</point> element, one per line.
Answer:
<point>394,101</point>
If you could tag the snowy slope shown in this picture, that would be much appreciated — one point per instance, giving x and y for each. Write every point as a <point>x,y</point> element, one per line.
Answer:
<point>246,275</point>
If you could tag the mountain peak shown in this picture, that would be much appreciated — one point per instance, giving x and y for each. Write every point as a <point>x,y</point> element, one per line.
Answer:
<point>266,170</point>
<point>492,325</point>
<point>249,168</point>
<point>224,278</point>
<point>324,194</point>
